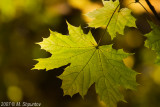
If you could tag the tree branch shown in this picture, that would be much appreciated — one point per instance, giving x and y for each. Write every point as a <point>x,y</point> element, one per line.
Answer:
<point>153,9</point>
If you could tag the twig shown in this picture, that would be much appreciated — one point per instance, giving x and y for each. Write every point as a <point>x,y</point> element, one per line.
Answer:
<point>145,10</point>
<point>153,9</point>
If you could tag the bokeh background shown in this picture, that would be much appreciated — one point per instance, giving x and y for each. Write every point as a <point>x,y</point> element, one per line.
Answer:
<point>24,22</point>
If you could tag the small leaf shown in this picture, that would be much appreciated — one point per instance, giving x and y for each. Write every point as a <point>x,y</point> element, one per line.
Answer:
<point>153,40</point>
<point>113,17</point>
<point>90,64</point>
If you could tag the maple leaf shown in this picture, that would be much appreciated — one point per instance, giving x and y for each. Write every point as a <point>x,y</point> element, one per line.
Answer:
<point>153,40</point>
<point>113,17</point>
<point>90,64</point>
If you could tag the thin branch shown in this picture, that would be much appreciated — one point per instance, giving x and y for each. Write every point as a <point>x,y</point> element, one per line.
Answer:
<point>145,10</point>
<point>153,9</point>
<point>144,7</point>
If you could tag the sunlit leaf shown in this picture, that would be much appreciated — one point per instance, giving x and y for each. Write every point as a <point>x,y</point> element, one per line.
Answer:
<point>113,17</point>
<point>89,63</point>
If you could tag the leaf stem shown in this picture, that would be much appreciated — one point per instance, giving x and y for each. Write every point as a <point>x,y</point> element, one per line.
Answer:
<point>108,24</point>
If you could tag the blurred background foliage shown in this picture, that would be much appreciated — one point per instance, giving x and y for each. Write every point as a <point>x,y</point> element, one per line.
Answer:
<point>25,22</point>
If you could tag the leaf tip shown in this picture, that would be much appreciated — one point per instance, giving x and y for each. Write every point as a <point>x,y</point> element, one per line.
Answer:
<point>50,31</point>
<point>68,23</point>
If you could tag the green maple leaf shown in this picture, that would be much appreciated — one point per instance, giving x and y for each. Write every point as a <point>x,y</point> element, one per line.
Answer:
<point>113,17</point>
<point>153,40</point>
<point>90,64</point>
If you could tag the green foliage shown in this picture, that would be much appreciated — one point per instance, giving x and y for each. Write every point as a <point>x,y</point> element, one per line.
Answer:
<point>113,17</point>
<point>90,64</point>
<point>153,40</point>
<point>9,9</point>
